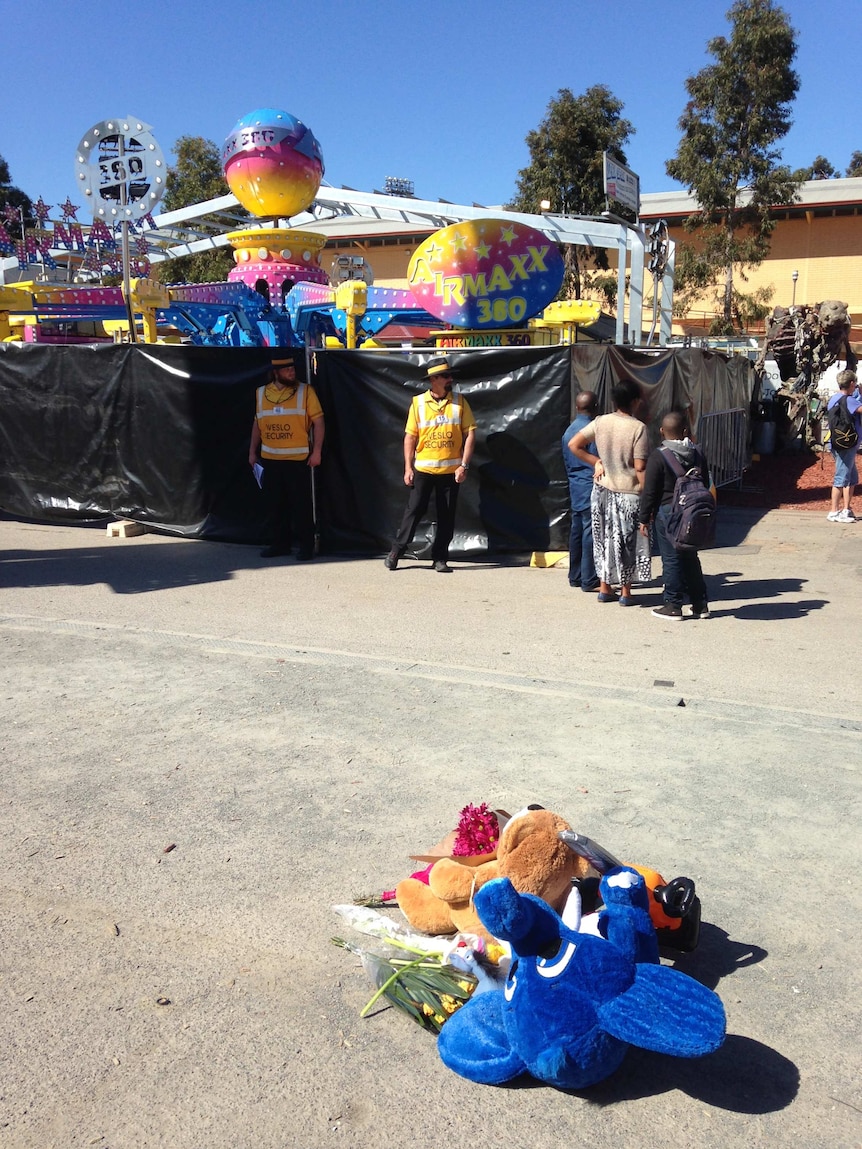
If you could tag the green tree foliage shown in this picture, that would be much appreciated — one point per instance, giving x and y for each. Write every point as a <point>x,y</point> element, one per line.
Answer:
<point>14,197</point>
<point>196,177</point>
<point>854,168</point>
<point>820,169</point>
<point>739,109</point>
<point>566,165</point>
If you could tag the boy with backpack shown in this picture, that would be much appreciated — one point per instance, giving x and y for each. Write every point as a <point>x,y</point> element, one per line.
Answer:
<point>842,415</point>
<point>676,497</point>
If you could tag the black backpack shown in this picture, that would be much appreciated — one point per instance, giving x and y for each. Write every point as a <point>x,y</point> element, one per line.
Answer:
<point>842,426</point>
<point>691,519</point>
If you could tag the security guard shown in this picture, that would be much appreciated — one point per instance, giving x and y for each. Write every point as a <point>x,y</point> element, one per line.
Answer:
<point>287,438</point>
<point>438,444</point>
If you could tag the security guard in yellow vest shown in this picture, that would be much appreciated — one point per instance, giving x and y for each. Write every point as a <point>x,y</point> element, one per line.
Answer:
<point>438,445</point>
<point>287,439</point>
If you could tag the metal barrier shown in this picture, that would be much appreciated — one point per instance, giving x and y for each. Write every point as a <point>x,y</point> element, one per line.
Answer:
<point>724,438</point>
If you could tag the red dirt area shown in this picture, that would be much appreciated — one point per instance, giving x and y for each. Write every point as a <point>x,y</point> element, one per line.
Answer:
<point>792,480</point>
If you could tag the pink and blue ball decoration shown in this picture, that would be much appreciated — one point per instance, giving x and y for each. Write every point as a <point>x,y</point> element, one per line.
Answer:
<point>272,163</point>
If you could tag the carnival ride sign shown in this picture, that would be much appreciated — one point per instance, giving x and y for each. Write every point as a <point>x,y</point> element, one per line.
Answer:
<point>485,274</point>
<point>121,168</point>
<point>621,184</point>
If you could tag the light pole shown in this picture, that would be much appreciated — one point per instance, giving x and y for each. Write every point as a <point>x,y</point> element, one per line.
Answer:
<point>794,277</point>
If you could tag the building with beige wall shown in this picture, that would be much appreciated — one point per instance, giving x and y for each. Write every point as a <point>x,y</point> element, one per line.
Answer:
<point>820,237</point>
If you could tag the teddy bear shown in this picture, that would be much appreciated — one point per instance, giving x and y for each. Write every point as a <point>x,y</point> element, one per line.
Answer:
<point>530,853</point>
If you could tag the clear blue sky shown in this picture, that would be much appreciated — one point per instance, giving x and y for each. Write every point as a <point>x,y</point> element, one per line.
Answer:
<point>441,92</point>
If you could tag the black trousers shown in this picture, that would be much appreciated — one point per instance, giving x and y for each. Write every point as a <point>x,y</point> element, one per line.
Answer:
<point>445,491</point>
<point>287,496</point>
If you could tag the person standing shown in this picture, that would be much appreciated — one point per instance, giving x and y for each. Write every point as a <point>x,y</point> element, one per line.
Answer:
<point>681,570</point>
<point>582,563</point>
<point>287,439</point>
<point>621,439</point>
<point>438,445</point>
<point>846,471</point>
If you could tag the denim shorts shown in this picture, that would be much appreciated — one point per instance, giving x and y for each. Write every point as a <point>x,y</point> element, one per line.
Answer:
<point>846,474</point>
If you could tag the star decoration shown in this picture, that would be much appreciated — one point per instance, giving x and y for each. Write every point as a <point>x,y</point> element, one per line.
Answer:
<point>507,236</point>
<point>69,209</point>
<point>458,241</point>
<point>433,250</point>
<point>41,209</point>
<point>12,214</point>
<point>482,250</point>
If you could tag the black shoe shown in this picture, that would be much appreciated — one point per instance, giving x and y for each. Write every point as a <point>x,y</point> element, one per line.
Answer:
<point>304,556</point>
<point>391,561</point>
<point>274,552</point>
<point>442,567</point>
<point>668,611</point>
<point>700,610</point>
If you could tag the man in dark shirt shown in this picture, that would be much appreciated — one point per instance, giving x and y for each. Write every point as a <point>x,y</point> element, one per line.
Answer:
<point>681,570</point>
<point>582,564</point>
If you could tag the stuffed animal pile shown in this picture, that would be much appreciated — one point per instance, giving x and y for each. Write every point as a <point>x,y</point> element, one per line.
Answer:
<point>582,986</point>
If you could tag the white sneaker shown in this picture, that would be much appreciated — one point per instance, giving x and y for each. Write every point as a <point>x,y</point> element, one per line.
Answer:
<point>846,517</point>
<point>834,516</point>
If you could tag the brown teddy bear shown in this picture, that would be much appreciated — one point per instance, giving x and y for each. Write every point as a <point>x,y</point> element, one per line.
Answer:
<point>529,853</point>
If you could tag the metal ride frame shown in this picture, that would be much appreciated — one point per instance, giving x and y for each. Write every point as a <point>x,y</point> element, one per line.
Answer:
<point>348,214</point>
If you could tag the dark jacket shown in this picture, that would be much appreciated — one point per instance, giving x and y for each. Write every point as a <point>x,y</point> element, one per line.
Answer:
<point>660,480</point>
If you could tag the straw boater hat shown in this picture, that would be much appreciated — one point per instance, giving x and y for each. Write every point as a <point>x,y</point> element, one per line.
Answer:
<point>438,366</point>
<point>283,359</point>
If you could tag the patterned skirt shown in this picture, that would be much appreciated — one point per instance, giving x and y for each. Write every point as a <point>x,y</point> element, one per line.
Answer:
<point>623,555</point>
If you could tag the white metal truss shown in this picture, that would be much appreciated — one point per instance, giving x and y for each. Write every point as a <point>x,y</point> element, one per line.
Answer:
<point>344,214</point>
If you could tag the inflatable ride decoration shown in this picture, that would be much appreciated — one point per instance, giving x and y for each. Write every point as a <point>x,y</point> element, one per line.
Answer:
<point>485,273</point>
<point>272,163</point>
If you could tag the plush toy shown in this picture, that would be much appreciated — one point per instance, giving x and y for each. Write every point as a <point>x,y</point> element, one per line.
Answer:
<point>445,904</point>
<point>573,1002</point>
<point>674,907</point>
<point>530,852</point>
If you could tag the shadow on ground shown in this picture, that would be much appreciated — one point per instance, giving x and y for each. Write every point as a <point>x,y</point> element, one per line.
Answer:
<point>744,1076</point>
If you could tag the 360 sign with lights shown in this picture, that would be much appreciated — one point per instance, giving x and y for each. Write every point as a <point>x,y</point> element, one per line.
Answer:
<point>485,273</point>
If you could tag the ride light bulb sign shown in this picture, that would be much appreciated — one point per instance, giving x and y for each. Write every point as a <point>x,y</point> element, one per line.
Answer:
<point>485,274</point>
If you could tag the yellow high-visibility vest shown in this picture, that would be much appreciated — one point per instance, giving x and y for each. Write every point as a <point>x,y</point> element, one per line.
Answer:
<point>284,425</point>
<point>440,430</point>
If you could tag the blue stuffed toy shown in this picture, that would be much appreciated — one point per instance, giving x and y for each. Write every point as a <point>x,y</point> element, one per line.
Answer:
<point>573,1001</point>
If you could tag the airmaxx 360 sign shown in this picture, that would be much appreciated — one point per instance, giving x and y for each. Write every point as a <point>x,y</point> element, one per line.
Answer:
<point>485,273</point>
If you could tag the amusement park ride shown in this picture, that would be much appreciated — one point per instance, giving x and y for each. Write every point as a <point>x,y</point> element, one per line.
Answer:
<point>481,279</point>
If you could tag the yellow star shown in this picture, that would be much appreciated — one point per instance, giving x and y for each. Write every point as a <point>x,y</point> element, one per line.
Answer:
<point>458,241</point>
<point>433,250</point>
<point>507,235</point>
<point>482,250</point>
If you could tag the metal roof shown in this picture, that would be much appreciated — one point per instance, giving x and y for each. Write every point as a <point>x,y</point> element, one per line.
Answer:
<point>813,194</point>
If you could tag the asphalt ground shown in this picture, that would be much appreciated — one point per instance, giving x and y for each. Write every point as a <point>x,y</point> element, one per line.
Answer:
<point>295,731</point>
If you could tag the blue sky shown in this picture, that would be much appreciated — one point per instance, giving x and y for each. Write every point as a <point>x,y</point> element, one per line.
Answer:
<point>442,92</point>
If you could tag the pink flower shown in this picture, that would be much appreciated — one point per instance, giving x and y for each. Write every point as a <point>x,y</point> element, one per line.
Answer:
<point>477,832</point>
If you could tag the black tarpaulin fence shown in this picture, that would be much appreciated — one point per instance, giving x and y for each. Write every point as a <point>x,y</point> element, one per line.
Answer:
<point>160,434</point>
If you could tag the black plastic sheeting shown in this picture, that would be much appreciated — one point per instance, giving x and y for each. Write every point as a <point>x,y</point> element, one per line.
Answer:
<point>160,434</point>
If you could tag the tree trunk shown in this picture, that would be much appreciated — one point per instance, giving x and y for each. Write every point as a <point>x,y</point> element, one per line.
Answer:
<point>572,279</point>
<point>728,279</point>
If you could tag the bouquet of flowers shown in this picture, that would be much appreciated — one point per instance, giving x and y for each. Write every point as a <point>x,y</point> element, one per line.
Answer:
<point>424,988</point>
<point>426,978</point>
